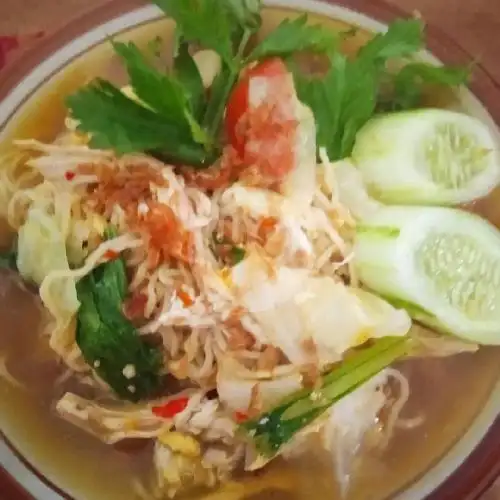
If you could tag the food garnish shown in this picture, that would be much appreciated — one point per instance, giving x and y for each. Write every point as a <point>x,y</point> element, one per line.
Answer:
<point>440,264</point>
<point>252,249</point>
<point>176,119</point>
<point>274,429</point>
<point>108,340</point>
<point>171,408</point>
<point>427,156</point>
<point>355,89</point>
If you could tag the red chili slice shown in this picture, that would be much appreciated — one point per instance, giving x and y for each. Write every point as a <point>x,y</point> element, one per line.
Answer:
<point>240,417</point>
<point>185,297</point>
<point>171,408</point>
<point>111,255</point>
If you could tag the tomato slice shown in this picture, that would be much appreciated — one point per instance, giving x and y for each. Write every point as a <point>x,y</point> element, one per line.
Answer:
<point>239,101</point>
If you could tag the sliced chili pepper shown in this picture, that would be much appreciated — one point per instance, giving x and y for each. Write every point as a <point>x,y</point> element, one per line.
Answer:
<point>111,255</point>
<point>69,175</point>
<point>171,408</point>
<point>267,226</point>
<point>185,297</point>
<point>240,417</point>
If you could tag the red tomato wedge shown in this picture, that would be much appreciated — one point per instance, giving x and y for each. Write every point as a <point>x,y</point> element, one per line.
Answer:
<point>239,101</point>
<point>260,119</point>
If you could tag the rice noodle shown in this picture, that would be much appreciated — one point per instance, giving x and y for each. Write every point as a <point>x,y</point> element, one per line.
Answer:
<point>118,245</point>
<point>143,491</point>
<point>410,423</point>
<point>109,424</point>
<point>195,334</point>
<point>7,376</point>
<point>14,176</point>
<point>397,406</point>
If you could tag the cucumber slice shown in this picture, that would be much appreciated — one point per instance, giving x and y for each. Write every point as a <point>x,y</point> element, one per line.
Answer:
<point>427,157</point>
<point>440,264</point>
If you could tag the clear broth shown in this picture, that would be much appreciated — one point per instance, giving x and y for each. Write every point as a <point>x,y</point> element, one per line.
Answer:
<point>448,393</point>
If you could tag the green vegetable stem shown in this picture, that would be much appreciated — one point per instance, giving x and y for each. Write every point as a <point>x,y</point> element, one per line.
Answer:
<point>273,429</point>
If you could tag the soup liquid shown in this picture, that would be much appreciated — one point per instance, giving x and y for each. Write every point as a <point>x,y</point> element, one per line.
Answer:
<point>447,393</point>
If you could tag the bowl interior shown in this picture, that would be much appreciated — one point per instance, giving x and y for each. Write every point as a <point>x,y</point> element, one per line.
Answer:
<point>35,108</point>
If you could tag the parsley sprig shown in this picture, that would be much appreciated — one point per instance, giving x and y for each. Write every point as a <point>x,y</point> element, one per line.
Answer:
<point>352,90</point>
<point>174,117</point>
<point>119,123</point>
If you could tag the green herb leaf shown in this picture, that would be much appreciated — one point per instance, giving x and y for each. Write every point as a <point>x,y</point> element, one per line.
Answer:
<point>221,88</point>
<point>295,36</point>
<point>402,39</point>
<point>8,260</point>
<point>323,96</point>
<point>410,80</point>
<point>189,78</point>
<point>113,274</point>
<point>198,133</point>
<point>359,104</point>
<point>120,123</point>
<point>237,254</point>
<point>219,94</point>
<point>116,122</point>
<point>172,121</point>
<point>108,341</point>
<point>202,21</point>
<point>342,102</point>
<point>350,93</point>
<point>246,13</point>
<point>275,428</point>
<point>244,19</point>
<point>159,91</point>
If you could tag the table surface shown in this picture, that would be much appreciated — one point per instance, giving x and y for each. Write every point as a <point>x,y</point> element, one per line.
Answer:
<point>474,24</point>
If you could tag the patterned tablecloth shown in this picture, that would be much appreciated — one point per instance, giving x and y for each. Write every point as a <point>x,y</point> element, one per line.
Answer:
<point>474,24</point>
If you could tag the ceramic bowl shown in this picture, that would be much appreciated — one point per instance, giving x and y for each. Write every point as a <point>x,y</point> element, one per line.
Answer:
<point>473,463</point>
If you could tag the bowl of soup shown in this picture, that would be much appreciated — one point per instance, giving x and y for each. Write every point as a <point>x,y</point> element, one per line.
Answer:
<point>249,252</point>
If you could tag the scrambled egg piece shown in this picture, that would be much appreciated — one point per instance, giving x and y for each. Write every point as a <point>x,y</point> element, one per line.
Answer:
<point>181,443</point>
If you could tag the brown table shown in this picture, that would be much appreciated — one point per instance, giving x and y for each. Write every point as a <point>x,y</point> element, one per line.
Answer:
<point>473,24</point>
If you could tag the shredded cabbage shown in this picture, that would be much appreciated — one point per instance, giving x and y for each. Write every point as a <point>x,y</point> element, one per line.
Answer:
<point>344,180</point>
<point>293,307</point>
<point>40,232</point>
<point>235,386</point>
<point>41,252</point>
